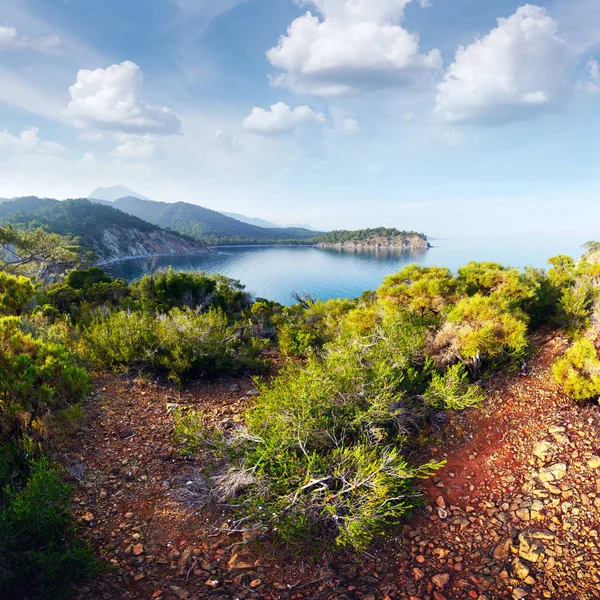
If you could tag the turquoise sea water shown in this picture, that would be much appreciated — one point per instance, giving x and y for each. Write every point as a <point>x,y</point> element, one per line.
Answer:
<point>274,272</point>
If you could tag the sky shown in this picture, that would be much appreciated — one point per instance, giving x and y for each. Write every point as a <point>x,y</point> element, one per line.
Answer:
<point>451,117</point>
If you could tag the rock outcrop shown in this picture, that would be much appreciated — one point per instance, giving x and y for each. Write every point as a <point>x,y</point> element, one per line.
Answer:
<point>117,243</point>
<point>380,243</point>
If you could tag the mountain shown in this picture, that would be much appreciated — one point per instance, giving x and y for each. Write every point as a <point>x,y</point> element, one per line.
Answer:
<point>108,232</point>
<point>251,220</point>
<point>110,194</point>
<point>302,226</point>
<point>208,226</point>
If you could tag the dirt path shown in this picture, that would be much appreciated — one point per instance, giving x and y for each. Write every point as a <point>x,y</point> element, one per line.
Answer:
<point>514,514</point>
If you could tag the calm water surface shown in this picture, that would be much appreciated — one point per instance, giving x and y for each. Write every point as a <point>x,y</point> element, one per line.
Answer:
<point>275,272</point>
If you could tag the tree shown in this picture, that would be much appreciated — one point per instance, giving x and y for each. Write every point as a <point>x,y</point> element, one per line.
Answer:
<point>37,253</point>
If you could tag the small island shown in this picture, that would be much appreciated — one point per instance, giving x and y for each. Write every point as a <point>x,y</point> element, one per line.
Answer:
<point>378,238</point>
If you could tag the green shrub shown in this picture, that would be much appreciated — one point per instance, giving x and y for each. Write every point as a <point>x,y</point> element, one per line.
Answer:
<point>578,371</point>
<point>576,306</point>
<point>182,344</point>
<point>34,375</point>
<point>16,292</point>
<point>303,329</point>
<point>453,390</point>
<point>168,289</point>
<point>40,553</point>
<point>321,460</point>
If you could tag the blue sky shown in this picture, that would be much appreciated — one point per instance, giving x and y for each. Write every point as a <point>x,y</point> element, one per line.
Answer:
<point>451,117</point>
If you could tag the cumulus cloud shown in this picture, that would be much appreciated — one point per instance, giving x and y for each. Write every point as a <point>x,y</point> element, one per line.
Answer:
<point>29,142</point>
<point>133,146</point>
<point>281,119</point>
<point>511,73</point>
<point>11,39</point>
<point>349,46</point>
<point>111,99</point>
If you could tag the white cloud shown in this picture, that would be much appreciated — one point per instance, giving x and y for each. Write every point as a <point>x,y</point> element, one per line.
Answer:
<point>111,99</point>
<point>350,126</point>
<point>281,119</point>
<point>512,72</point>
<point>227,141</point>
<point>11,39</point>
<point>355,45</point>
<point>133,146</point>
<point>28,142</point>
<point>591,85</point>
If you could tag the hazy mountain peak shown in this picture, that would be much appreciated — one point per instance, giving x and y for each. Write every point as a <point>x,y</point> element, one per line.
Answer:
<point>110,194</point>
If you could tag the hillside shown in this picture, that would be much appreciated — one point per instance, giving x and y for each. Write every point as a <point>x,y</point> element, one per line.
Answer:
<point>209,226</point>
<point>109,233</point>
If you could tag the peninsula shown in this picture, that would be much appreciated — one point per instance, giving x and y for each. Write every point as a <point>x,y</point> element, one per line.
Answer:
<point>379,238</point>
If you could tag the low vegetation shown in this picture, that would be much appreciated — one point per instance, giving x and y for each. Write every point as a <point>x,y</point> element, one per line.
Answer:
<point>329,453</point>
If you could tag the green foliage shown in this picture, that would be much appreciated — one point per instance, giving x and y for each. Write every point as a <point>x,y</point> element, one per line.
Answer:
<point>453,390</point>
<point>86,289</point>
<point>36,252</point>
<point>182,344</point>
<point>35,375</point>
<point>321,460</point>
<point>168,289</point>
<point>482,328</point>
<point>16,292</point>
<point>578,371</point>
<point>425,291</point>
<point>40,554</point>
<point>576,304</point>
<point>303,329</point>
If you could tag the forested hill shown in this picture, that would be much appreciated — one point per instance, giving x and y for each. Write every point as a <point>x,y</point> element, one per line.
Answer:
<point>378,237</point>
<point>206,225</point>
<point>108,232</point>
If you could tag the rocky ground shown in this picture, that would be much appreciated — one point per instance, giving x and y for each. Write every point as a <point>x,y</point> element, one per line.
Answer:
<point>514,514</point>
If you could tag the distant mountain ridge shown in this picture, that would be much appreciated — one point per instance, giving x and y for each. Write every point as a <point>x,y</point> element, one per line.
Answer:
<point>263,223</point>
<point>205,225</point>
<point>110,194</point>
<point>109,233</point>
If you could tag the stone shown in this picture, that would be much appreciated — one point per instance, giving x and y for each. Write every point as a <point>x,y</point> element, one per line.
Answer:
<point>523,514</point>
<point>180,592</point>
<point>594,462</point>
<point>441,580</point>
<point>238,563</point>
<point>541,534</point>
<point>418,574</point>
<point>554,472</point>
<point>541,449</point>
<point>185,561</point>
<point>441,502</point>
<point>502,550</point>
<point>530,549</point>
<point>519,593</point>
<point>520,569</point>
<point>138,549</point>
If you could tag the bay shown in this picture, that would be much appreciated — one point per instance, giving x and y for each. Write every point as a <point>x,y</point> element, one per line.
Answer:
<point>274,272</point>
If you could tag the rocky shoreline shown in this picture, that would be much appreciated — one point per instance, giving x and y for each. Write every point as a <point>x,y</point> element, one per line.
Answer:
<point>377,243</point>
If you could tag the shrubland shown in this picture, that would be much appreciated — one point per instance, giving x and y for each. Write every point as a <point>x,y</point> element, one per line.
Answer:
<point>330,453</point>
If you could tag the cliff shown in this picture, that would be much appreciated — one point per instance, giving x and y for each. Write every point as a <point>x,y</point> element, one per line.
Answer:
<point>376,242</point>
<point>117,243</point>
<point>109,233</point>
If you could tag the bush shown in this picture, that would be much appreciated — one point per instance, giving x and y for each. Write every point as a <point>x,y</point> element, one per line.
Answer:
<point>34,375</point>
<point>306,328</point>
<point>578,371</point>
<point>321,460</point>
<point>161,292</point>
<point>15,293</point>
<point>40,554</point>
<point>182,344</point>
<point>453,390</point>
